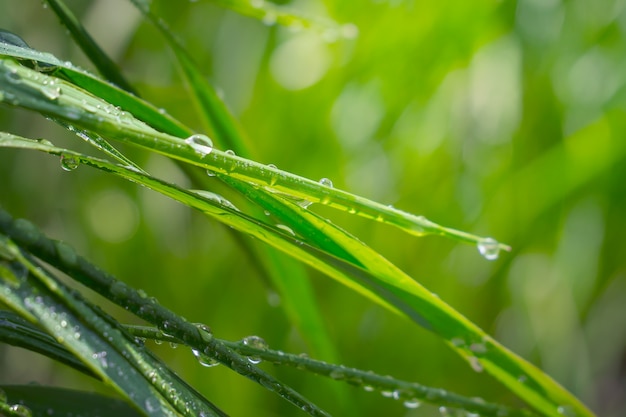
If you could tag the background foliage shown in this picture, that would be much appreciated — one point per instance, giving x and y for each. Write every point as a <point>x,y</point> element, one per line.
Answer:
<point>500,118</point>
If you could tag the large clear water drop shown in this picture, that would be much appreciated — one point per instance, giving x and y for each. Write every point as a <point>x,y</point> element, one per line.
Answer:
<point>203,359</point>
<point>489,248</point>
<point>69,162</point>
<point>201,144</point>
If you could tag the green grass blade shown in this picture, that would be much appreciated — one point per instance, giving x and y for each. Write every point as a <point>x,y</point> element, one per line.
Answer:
<point>105,65</point>
<point>385,284</point>
<point>65,259</point>
<point>214,115</point>
<point>16,331</point>
<point>400,390</point>
<point>29,91</point>
<point>32,299</point>
<point>113,95</point>
<point>62,402</point>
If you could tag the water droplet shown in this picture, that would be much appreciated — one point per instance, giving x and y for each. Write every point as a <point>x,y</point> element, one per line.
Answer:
<point>69,162</point>
<point>230,152</point>
<point>210,173</point>
<point>412,403</point>
<point>286,229</point>
<point>489,248</point>
<point>326,182</point>
<point>304,203</point>
<point>102,358</point>
<point>203,327</point>
<point>173,345</point>
<point>387,394</point>
<point>257,343</point>
<point>337,374</point>
<point>475,363</point>
<point>45,142</point>
<point>368,388</point>
<point>20,410</point>
<point>51,92</point>
<point>457,341</point>
<point>479,348</point>
<point>203,359</point>
<point>201,144</point>
<point>13,77</point>
<point>566,410</point>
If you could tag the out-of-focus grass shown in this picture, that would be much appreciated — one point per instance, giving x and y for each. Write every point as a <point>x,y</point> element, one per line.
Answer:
<point>502,120</point>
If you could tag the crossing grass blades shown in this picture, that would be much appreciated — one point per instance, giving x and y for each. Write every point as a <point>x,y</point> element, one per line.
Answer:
<point>46,316</point>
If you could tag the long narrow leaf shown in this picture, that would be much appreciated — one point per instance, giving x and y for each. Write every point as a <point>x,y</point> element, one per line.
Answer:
<point>389,287</point>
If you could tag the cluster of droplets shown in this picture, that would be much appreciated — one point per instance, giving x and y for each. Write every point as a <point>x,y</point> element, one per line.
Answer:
<point>255,342</point>
<point>472,350</point>
<point>202,145</point>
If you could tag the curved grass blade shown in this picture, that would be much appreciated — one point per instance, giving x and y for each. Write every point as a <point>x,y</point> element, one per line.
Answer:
<point>105,65</point>
<point>30,298</point>
<point>16,331</point>
<point>64,258</point>
<point>385,284</point>
<point>62,402</point>
<point>410,392</point>
<point>113,95</point>
<point>27,89</point>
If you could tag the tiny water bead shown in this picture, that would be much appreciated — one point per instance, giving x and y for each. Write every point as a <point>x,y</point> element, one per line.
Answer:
<point>20,410</point>
<point>489,248</point>
<point>51,92</point>
<point>69,162</point>
<point>412,403</point>
<point>202,145</point>
<point>326,182</point>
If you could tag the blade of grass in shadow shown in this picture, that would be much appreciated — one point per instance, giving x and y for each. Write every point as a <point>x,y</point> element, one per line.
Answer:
<point>16,331</point>
<point>62,402</point>
<point>65,259</point>
<point>34,294</point>
<point>410,392</point>
<point>385,284</point>
<point>103,63</point>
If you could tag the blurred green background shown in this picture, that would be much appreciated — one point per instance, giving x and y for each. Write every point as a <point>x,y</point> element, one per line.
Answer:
<point>501,118</point>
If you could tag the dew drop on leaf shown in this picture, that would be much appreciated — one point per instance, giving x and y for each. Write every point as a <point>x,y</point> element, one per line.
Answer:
<point>203,359</point>
<point>412,403</point>
<point>51,92</point>
<point>326,182</point>
<point>201,144</point>
<point>20,410</point>
<point>489,248</point>
<point>69,162</point>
